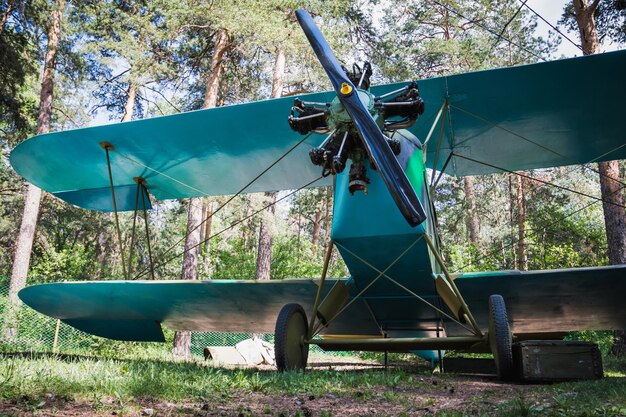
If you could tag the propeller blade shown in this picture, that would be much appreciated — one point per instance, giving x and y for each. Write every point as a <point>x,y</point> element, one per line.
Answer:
<point>373,138</point>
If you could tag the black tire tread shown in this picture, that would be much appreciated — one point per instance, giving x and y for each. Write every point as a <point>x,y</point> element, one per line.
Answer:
<point>502,338</point>
<point>280,336</point>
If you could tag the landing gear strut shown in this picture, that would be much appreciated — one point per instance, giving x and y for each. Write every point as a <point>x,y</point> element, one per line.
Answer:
<point>291,330</point>
<point>500,338</point>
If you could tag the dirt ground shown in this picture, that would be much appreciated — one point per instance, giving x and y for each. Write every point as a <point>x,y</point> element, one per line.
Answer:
<point>470,396</point>
<point>428,395</point>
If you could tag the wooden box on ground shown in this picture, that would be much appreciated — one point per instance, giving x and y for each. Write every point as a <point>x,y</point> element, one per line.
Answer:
<point>480,366</point>
<point>557,360</point>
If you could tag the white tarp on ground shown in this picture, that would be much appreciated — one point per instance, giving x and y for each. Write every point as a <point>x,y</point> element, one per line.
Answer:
<point>248,352</point>
<point>256,351</point>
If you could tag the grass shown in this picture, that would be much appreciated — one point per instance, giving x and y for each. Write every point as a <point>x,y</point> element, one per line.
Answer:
<point>105,383</point>
<point>171,380</point>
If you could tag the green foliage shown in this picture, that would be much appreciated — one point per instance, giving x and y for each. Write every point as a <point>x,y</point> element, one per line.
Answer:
<point>563,229</point>
<point>610,18</point>
<point>122,44</point>
<point>17,65</point>
<point>604,339</point>
<point>66,264</point>
<point>234,261</point>
<point>424,40</point>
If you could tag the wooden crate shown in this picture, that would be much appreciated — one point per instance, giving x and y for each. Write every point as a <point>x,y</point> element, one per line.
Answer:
<point>557,360</point>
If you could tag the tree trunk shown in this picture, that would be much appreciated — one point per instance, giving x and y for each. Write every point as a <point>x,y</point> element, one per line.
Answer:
<point>203,217</point>
<point>131,97</point>
<point>610,178</point>
<point>328,217</point>
<point>522,260</point>
<point>206,230</point>
<point>192,240</point>
<point>587,26</point>
<point>472,220</point>
<point>208,224</point>
<point>182,339</point>
<point>101,252</point>
<point>266,238</point>
<point>317,225</point>
<point>266,231</point>
<point>279,73</point>
<point>213,76</point>
<point>512,203</point>
<point>26,236</point>
<point>248,225</point>
<point>5,16</point>
<point>614,212</point>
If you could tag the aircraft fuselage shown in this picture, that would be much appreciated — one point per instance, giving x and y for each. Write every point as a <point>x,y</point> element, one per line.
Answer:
<point>369,226</point>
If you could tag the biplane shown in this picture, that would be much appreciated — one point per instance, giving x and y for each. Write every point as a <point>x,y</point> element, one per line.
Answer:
<point>400,296</point>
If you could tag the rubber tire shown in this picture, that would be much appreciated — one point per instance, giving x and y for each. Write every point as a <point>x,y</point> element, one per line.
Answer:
<point>500,338</point>
<point>291,328</point>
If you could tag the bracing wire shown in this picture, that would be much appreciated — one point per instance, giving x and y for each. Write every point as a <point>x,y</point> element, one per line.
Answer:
<point>526,139</point>
<point>284,155</point>
<point>524,4</point>
<point>508,22</point>
<point>538,180</point>
<point>477,23</point>
<point>533,232</point>
<point>231,226</point>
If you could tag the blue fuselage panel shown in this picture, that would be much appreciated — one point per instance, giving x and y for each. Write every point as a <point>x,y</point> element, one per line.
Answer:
<point>373,237</point>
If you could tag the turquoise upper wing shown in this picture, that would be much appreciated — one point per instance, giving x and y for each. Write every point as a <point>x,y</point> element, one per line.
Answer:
<point>205,152</point>
<point>550,114</point>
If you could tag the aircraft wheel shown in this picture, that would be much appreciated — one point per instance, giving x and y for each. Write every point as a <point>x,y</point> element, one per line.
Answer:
<point>500,338</point>
<point>291,329</point>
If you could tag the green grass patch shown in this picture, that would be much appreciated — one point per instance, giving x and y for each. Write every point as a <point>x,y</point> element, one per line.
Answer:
<point>127,382</point>
<point>82,376</point>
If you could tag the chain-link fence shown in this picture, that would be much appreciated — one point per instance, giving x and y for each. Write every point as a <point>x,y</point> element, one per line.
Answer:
<point>39,333</point>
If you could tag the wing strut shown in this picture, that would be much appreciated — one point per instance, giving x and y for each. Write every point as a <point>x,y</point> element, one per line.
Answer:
<point>108,147</point>
<point>141,188</point>
<point>439,139</point>
<point>463,312</point>
<point>231,198</point>
<point>383,273</point>
<point>323,323</point>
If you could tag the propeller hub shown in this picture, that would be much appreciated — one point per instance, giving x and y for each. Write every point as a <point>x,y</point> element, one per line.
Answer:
<point>339,116</point>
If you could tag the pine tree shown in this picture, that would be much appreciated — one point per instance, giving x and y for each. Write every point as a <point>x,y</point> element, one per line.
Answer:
<point>582,14</point>
<point>26,236</point>
<point>182,339</point>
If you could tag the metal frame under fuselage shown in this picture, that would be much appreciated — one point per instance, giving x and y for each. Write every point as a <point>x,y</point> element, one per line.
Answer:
<point>386,257</point>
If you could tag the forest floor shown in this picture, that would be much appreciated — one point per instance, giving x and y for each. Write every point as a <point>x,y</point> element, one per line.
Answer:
<point>48,385</point>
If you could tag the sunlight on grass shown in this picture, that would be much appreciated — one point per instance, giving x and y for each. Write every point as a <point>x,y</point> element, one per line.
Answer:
<point>101,381</point>
<point>172,380</point>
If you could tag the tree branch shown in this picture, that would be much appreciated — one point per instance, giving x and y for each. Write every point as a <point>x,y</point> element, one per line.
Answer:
<point>68,117</point>
<point>6,15</point>
<point>109,80</point>
<point>185,27</point>
<point>164,98</point>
